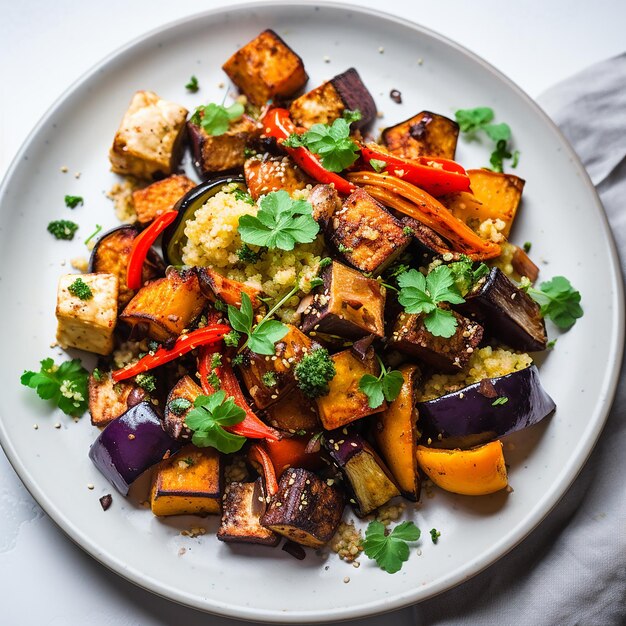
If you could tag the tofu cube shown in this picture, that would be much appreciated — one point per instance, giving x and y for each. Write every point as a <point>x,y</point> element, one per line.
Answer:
<point>148,143</point>
<point>159,197</point>
<point>266,68</point>
<point>87,324</point>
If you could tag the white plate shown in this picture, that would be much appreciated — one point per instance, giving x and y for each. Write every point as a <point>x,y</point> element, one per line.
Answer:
<point>561,215</point>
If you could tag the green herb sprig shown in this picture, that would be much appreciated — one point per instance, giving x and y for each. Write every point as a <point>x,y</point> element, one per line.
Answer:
<point>386,386</point>
<point>389,550</point>
<point>215,119</point>
<point>71,202</point>
<point>80,289</point>
<point>192,85</point>
<point>63,229</point>
<point>559,301</point>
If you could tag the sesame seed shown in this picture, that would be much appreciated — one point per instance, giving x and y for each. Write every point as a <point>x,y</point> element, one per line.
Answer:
<point>57,425</point>
<point>36,426</point>
<point>346,579</point>
<point>90,486</point>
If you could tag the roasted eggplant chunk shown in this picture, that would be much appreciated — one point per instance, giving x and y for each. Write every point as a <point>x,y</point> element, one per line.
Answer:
<point>326,103</point>
<point>410,336</point>
<point>429,239</point>
<point>371,482</point>
<point>159,197</point>
<point>306,509</point>
<point>325,202</point>
<point>176,411</point>
<point>243,505</point>
<point>293,412</point>
<point>365,234</point>
<point>265,173</point>
<point>108,400</point>
<point>166,306</point>
<point>189,483</point>
<point>508,313</point>
<point>215,286</point>
<point>424,134</point>
<point>348,304</point>
<point>266,68</point>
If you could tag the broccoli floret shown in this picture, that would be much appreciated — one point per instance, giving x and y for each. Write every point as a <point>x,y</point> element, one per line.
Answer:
<point>63,229</point>
<point>80,289</point>
<point>232,338</point>
<point>314,372</point>
<point>147,382</point>
<point>269,379</point>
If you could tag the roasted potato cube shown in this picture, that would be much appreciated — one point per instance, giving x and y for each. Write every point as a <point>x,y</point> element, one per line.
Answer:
<point>109,400</point>
<point>266,68</point>
<point>166,306</point>
<point>348,304</point>
<point>366,235</point>
<point>424,134</point>
<point>345,403</point>
<point>222,152</point>
<point>306,509</point>
<point>265,174</point>
<point>293,412</point>
<point>188,483</point>
<point>159,197</point>
<point>326,103</point>
<point>214,286</point>
<point>258,368</point>
<point>444,354</point>
<point>87,324</point>
<point>175,415</point>
<point>243,505</point>
<point>148,143</point>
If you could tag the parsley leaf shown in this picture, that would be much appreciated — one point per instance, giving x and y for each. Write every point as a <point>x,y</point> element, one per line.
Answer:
<point>464,274</point>
<point>498,155</point>
<point>386,387</point>
<point>434,535</point>
<point>65,385</point>
<point>215,119</point>
<point>391,550</point>
<point>63,229</point>
<point>472,120</point>
<point>80,289</point>
<point>192,85</point>
<point>208,418</point>
<point>559,301</point>
<point>73,201</point>
<point>280,223</point>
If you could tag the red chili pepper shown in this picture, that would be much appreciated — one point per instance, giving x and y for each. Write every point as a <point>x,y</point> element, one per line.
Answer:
<point>436,176</point>
<point>141,246</point>
<point>259,457</point>
<point>278,124</point>
<point>185,343</point>
<point>251,426</point>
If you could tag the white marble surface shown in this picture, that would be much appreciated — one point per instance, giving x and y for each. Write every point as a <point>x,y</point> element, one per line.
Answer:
<point>44,578</point>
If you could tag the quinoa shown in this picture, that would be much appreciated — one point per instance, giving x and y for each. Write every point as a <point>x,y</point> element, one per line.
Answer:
<point>236,470</point>
<point>122,196</point>
<point>505,260</point>
<point>390,513</point>
<point>347,542</point>
<point>128,352</point>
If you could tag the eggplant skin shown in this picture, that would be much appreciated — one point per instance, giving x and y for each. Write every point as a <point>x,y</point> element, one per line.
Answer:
<point>467,415</point>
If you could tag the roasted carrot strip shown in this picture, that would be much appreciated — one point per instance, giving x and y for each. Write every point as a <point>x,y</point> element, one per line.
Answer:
<point>259,458</point>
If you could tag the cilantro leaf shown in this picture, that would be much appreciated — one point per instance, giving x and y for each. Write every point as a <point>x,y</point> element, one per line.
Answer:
<point>65,385</point>
<point>215,119</point>
<point>386,387</point>
<point>192,85</point>
<point>241,319</point>
<point>63,229</point>
<point>498,132</point>
<point>498,155</point>
<point>73,201</point>
<point>464,274</point>
<point>440,323</point>
<point>372,387</point>
<point>279,223</point>
<point>265,335</point>
<point>378,165</point>
<point>559,301</point>
<point>391,550</point>
<point>472,120</point>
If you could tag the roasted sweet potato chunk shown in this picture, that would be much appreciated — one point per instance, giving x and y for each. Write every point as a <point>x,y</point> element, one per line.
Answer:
<point>215,286</point>
<point>293,412</point>
<point>175,411</point>
<point>108,400</point>
<point>265,173</point>
<point>266,68</point>
<point>159,197</point>
<point>306,509</point>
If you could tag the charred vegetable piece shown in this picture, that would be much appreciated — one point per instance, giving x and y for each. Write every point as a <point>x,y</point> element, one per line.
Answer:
<point>266,68</point>
<point>508,313</point>
<point>167,305</point>
<point>243,505</point>
<point>159,197</point>
<point>345,403</point>
<point>306,509</point>
<point>326,103</point>
<point>215,286</point>
<point>365,234</point>
<point>482,412</point>
<point>130,445</point>
<point>265,173</point>
<point>475,472</point>
<point>348,304</point>
<point>325,202</point>
<point>111,255</point>
<point>108,400</point>
<point>262,463</point>
<point>189,483</point>
<point>396,435</point>
<point>429,239</point>
<point>221,153</point>
<point>292,452</point>
<point>370,480</point>
<point>179,402</point>
<point>523,265</point>
<point>294,412</point>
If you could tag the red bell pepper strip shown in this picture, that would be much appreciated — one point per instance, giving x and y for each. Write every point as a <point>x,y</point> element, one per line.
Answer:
<point>251,426</point>
<point>141,246</point>
<point>278,124</point>
<point>436,176</point>
<point>291,452</point>
<point>260,459</point>
<point>185,343</point>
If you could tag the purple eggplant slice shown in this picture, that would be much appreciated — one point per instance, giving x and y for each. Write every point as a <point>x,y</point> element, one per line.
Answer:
<point>473,415</point>
<point>130,445</point>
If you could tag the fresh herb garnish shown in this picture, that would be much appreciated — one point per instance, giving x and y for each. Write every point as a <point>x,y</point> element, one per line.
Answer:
<point>498,155</point>
<point>423,294</point>
<point>192,85</point>
<point>434,535</point>
<point>316,282</point>
<point>80,289</point>
<point>269,379</point>
<point>325,262</point>
<point>220,306</point>
<point>147,382</point>
<point>188,461</point>
<point>332,143</point>
<point>465,275</point>
<point>243,196</point>
<point>65,385</point>
<point>95,232</point>
<point>63,229</point>
<point>247,255</point>
<point>344,249</point>
<point>408,231</point>
<point>559,301</point>
<point>389,550</point>
<point>500,401</point>
<point>378,165</point>
<point>551,344</point>
<point>208,418</point>
<point>386,387</point>
<point>97,375</point>
<point>237,359</point>
<point>313,373</point>
<point>73,201</point>
<point>279,223</point>
<point>179,405</point>
<point>215,119</point>
<point>231,339</point>
<point>527,246</point>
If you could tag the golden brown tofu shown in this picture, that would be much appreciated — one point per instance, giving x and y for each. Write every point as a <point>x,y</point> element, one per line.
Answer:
<point>345,402</point>
<point>424,134</point>
<point>108,400</point>
<point>166,306</point>
<point>222,152</point>
<point>367,236</point>
<point>159,197</point>
<point>266,68</point>
<point>265,174</point>
<point>294,412</point>
<point>188,483</point>
<point>176,411</point>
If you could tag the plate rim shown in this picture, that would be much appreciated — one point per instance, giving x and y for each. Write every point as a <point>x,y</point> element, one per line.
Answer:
<point>570,472</point>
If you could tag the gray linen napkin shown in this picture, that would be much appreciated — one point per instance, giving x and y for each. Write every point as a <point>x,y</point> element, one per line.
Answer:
<point>572,569</point>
